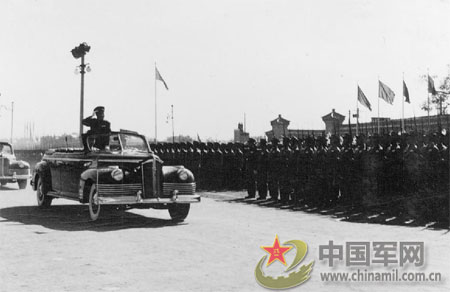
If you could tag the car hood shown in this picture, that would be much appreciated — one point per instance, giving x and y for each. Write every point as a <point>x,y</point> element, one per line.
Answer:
<point>131,156</point>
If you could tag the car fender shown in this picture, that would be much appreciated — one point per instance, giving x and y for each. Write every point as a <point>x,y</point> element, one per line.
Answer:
<point>91,174</point>
<point>42,170</point>
<point>170,174</point>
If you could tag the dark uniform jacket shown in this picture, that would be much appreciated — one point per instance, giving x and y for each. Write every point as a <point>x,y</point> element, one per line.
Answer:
<point>97,126</point>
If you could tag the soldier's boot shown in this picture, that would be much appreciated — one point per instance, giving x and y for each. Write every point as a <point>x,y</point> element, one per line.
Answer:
<point>274,194</point>
<point>250,194</point>
<point>262,189</point>
<point>251,189</point>
<point>284,196</point>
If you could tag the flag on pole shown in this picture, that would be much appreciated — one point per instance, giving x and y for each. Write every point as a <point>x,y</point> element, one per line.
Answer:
<point>385,93</point>
<point>363,99</point>
<point>431,88</point>
<point>405,92</point>
<point>198,138</point>
<point>159,77</point>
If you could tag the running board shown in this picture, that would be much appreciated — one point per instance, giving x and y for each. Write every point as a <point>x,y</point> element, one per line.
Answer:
<point>63,196</point>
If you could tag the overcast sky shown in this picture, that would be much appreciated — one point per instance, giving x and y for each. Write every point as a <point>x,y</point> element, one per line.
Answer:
<point>220,59</point>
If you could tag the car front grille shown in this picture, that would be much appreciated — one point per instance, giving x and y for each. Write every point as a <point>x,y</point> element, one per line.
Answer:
<point>182,188</point>
<point>151,190</point>
<point>147,178</point>
<point>112,190</point>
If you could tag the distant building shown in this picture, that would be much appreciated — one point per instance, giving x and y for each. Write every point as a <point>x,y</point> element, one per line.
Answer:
<point>333,122</point>
<point>280,130</point>
<point>240,135</point>
<point>334,125</point>
<point>423,124</point>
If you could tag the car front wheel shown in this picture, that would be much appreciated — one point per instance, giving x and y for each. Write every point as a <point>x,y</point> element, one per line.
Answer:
<point>43,200</point>
<point>179,212</point>
<point>94,206</point>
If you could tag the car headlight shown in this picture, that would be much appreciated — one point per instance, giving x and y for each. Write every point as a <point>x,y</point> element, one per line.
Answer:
<point>182,174</point>
<point>117,174</point>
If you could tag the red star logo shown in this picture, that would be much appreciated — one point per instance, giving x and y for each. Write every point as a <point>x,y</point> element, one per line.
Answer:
<point>276,251</point>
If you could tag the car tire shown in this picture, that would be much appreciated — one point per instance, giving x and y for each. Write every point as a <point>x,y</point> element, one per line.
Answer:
<point>22,184</point>
<point>94,206</point>
<point>179,212</point>
<point>43,200</point>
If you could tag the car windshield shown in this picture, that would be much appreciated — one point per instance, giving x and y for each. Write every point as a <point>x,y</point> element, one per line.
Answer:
<point>131,142</point>
<point>116,142</point>
<point>5,149</point>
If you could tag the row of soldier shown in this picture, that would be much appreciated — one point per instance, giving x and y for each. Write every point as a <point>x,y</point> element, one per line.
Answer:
<point>326,171</point>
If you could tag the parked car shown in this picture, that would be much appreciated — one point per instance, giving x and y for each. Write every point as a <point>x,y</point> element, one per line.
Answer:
<point>117,169</point>
<point>12,170</point>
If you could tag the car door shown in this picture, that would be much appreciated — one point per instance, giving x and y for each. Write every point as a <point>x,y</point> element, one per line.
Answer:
<point>74,164</point>
<point>55,164</point>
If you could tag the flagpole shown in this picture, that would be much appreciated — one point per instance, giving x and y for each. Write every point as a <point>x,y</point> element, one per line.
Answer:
<point>357,113</point>
<point>357,121</point>
<point>156,120</point>
<point>378,105</point>
<point>350,124</point>
<point>403,105</point>
<point>428,97</point>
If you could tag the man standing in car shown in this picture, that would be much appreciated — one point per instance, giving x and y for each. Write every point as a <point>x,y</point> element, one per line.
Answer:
<point>98,125</point>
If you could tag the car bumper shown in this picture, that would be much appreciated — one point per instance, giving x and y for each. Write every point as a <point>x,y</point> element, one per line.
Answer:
<point>14,178</point>
<point>132,200</point>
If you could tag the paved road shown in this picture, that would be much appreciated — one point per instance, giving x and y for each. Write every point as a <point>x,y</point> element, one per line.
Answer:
<point>215,249</point>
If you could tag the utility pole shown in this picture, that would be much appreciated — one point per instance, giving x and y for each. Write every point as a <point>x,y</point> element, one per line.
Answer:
<point>173,128</point>
<point>12,120</point>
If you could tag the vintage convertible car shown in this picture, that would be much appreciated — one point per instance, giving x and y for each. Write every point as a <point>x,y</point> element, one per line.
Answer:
<point>12,170</point>
<point>117,169</point>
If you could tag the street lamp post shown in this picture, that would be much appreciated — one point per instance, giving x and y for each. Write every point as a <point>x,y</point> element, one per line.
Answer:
<point>82,71</point>
<point>80,52</point>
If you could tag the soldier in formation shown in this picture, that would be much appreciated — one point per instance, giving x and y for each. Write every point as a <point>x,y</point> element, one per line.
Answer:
<point>407,173</point>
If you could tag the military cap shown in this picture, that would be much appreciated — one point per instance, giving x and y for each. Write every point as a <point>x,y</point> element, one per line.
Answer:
<point>99,109</point>
<point>275,141</point>
<point>251,141</point>
<point>262,142</point>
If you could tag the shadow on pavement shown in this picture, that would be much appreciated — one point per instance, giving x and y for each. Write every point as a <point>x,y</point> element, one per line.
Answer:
<point>76,218</point>
<point>9,187</point>
<point>376,215</point>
